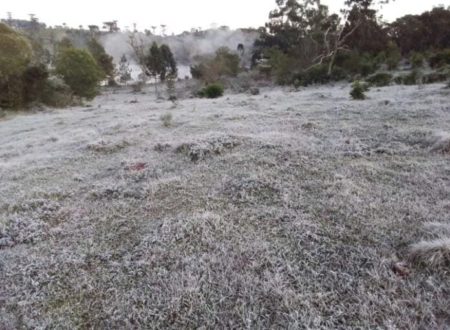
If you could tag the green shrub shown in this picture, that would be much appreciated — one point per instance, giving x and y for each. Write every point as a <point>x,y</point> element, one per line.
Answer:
<point>11,92</point>
<point>412,78</point>
<point>104,61</point>
<point>211,69</point>
<point>212,91</point>
<point>440,59</point>
<point>15,54</point>
<point>319,75</point>
<point>79,71</point>
<point>56,93</point>
<point>353,63</point>
<point>380,79</point>
<point>417,60</point>
<point>393,55</point>
<point>34,83</point>
<point>358,90</point>
<point>280,66</point>
<point>435,77</point>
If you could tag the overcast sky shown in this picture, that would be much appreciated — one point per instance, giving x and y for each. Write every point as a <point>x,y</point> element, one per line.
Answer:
<point>178,15</point>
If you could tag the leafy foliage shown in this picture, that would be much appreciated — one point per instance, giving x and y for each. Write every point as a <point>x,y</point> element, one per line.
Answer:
<point>417,60</point>
<point>358,91</point>
<point>440,59</point>
<point>104,61</point>
<point>15,55</point>
<point>212,91</point>
<point>212,69</point>
<point>368,35</point>
<point>430,30</point>
<point>35,83</point>
<point>80,71</point>
<point>380,79</point>
<point>160,62</point>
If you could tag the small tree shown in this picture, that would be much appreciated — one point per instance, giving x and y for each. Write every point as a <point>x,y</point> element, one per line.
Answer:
<point>15,55</point>
<point>211,69</point>
<point>15,52</point>
<point>154,63</point>
<point>79,71</point>
<point>157,63</point>
<point>104,61</point>
<point>358,90</point>
<point>160,63</point>
<point>169,65</point>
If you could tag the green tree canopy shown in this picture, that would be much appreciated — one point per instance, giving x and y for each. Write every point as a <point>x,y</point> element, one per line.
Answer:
<point>104,61</point>
<point>15,52</point>
<point>79,71</point>
<point>160,62</point>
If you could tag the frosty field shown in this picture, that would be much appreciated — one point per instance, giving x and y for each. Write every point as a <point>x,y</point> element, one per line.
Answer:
<point>291,209</point>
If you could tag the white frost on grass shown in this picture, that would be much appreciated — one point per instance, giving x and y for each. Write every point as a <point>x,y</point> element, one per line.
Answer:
<point>284,209</point>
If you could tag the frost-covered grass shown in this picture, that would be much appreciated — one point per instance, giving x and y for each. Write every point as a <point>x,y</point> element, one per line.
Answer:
<point>283,210</point>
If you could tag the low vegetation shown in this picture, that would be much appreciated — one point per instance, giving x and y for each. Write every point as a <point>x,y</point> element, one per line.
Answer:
<point>358,90</point>
<point>212,91</point>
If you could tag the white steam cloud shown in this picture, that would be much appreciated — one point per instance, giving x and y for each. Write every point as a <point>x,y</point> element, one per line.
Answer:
<point>185,47</point>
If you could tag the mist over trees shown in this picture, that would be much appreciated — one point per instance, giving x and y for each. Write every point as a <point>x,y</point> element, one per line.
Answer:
<point>302,43</point>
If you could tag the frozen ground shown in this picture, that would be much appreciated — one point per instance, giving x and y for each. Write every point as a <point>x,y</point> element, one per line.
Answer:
<point>284,210</point>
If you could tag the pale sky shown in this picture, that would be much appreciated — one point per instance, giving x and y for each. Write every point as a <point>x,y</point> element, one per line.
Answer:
<point>178,15</point>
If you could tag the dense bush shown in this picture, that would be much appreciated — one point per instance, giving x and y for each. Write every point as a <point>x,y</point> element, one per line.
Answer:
<point>35,83</point>
<point>319,75</point>
<point>358,90</point>
<point>212,69</point>
<point>15,55</point>
<point>411,78</point>
<point>393,55</point>
<point>11,92</point>
<point>435,77</point>
<point>212,91</point>
<point>79,71</point>
<point>380,79</point>
<point>57,93</point>
<point>417,60</point>
<point>104,61</point>
<point>354,63</point>
<point>440,59</point>
<point>430,30</point>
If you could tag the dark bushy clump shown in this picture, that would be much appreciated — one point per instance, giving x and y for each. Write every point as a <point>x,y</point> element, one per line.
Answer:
<point>411,79</point>
<point>357,64</point>
<point>56,93</point>
<point>212,91</point>
<point>435,77</point>
<point>440,59</point>
<point>380,79</point>
<point>319,75</point>
<point>358,90</point>
<point>35,83</point>
<point>417,60</point>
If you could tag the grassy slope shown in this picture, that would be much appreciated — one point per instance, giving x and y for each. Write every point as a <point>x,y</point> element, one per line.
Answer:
<point>282,210</point>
